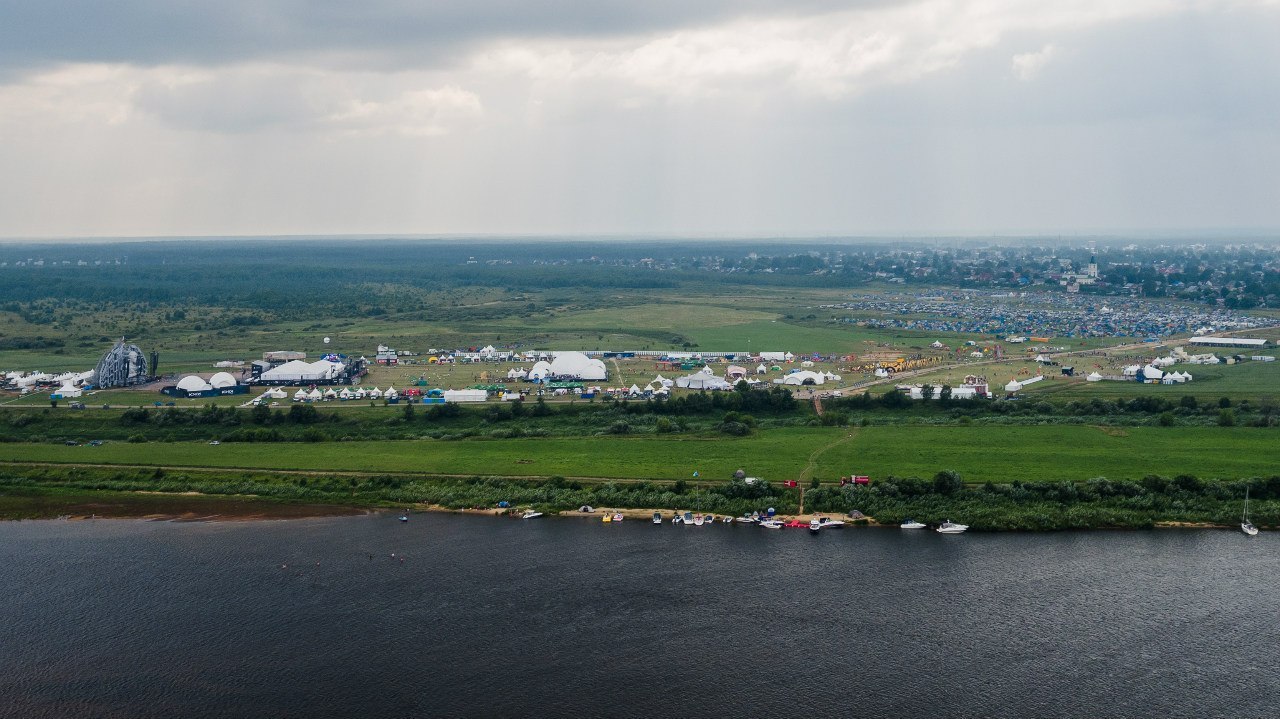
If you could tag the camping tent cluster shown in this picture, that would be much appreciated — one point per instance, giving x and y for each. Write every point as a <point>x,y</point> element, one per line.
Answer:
<point>704,378</point>
<point>70,384</point>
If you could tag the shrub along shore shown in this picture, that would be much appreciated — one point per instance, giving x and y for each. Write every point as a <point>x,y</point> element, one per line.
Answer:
<point>1032,506</point>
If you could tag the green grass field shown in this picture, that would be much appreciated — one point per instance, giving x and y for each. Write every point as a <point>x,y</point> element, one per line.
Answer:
<point>990,453</point>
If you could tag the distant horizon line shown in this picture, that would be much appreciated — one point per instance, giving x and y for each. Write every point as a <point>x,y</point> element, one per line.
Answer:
<point>1208,234</point>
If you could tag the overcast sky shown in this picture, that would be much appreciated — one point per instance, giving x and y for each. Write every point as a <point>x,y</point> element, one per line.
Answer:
<point>802,117</point>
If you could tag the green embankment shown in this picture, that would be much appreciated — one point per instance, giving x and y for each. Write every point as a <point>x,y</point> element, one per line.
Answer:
<point>979,453</point>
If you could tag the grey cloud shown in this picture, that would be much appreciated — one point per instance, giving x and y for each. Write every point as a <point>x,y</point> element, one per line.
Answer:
<point>37,33</point>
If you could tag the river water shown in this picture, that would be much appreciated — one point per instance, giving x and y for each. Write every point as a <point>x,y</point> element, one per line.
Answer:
<point>487,617</point>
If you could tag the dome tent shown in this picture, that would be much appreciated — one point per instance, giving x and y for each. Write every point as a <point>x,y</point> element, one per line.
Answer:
<point>577,365</point>
<point>194,383</point>
<point>222,379</point>
<point>541,370</point>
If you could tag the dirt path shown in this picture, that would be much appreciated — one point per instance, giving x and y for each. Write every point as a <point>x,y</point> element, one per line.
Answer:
<point>807,472</point>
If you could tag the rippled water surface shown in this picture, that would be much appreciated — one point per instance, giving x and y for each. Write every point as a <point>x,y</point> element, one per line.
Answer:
<point>477,616</point>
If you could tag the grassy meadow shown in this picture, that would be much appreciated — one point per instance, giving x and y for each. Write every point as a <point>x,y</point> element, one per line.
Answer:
<point>979,453</point>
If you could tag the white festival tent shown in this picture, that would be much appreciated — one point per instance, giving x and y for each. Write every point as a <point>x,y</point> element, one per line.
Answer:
<point>222,380</point>
<point>194,383</point>
<point>803,377</point>
<point>300,371</point>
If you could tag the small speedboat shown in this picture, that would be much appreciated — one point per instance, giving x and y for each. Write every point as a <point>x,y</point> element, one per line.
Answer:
<point>697,519</point>
<point>828,523</point>
<point>657,517</point>
<point>677,518</point>
<point>912,524</point>
<point>747,519</point>
<point>404,518</point>
<point>688,519</point>
<point>814,525</point>
<point>771,524</point>
<point>530,514</point>
<point>617,516</point>
<point>726,519</point>
<point>950,527</point>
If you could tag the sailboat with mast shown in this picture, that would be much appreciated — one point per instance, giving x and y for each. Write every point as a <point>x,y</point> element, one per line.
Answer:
<point>1245,525</point>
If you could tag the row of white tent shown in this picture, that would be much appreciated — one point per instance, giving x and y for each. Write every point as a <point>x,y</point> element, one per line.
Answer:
<point>302,395</point>
<point>73,379</point>
<point>1153,373</point>
<point>706,378</point>
<point>1015,385</point>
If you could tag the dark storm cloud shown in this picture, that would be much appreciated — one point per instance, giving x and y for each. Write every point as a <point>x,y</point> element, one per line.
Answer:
<point>37,33</point>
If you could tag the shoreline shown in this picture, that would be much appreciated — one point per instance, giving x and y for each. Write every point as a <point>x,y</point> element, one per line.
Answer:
<point>191,506</point>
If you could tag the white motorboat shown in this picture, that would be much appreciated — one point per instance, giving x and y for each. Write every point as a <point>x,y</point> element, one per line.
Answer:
<point>657,517</point>
<point>726,519</point>
<point>697,519</point>
<point>1245,525</point>
<point>950,527</point>
<point>746,520</point>
<point>688,519</point>
<point>617,516</point>
<point>828,523</point>
<point>814,525</point>
<point>912,524</point>
<point>530,514</point>
<point>677,518</point>
<point>771,524</point>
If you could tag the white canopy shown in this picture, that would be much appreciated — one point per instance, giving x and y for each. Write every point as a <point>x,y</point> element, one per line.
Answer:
<point>541,370</point>
<point>194,383</point>
<point>223,379</point>
<point>803,377</point>
<point>300,371</point>
<point>576,365</point>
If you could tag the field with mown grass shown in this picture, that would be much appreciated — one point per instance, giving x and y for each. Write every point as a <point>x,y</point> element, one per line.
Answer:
<point>979,453</point>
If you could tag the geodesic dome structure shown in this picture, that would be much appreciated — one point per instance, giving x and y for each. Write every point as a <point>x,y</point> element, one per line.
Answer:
<point>122,366</point>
